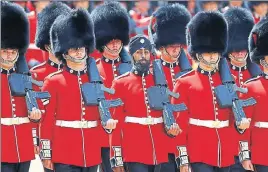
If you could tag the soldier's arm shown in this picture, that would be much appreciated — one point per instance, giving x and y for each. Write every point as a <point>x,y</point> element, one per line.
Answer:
<point>48,120</point>
<point>182,118</point>
<point>117,113</point>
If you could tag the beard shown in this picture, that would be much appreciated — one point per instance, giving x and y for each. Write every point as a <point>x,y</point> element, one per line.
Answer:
<point>142,65</point>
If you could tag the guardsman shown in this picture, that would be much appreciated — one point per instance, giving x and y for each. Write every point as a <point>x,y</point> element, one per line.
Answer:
<point>258,9</point>
<point>206,128</point>
<point>70,129</point>
<point>111,29</point>
<point>258,88</point>
<point>16,138</point>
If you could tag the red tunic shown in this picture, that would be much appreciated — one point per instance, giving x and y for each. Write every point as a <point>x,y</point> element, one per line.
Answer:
<point>258,88</point>
<point>145,144</point>
<point>16,140</point>
<point>73,146</point>
<point>207,145</point>
<point>109,71</point>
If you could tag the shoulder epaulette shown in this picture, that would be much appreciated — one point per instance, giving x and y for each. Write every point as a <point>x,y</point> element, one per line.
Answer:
<point>187,73</point>
<point>53,73</point>
<point>252,79</point>
<point>37,66</point>
<point>123,75</point>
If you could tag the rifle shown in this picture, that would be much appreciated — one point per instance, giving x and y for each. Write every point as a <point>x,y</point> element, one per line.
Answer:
<point>93,92</point>
<point>227,96</point>
<point>253,68</point>
<point>21,85</point>
<point>158,95</point>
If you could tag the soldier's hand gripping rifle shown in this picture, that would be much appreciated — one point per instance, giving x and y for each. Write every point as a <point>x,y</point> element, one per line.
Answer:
<point>93,92</point>
<point>227,96</point>
<point>21,85</point>
<point>158,95</point>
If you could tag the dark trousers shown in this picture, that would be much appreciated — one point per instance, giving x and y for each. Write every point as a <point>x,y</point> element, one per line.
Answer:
<point>201,167</point>
<point>261,168</point>
<point>171,166</point>
<point>105,156</point>
<point>139,167</point>
<point>71,168</point>
<point>237,167</point>
<point>15,167</point>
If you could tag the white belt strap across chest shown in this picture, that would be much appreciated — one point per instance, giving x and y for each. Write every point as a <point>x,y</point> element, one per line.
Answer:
<point>76,124</point>
<point>144,121</point>
<point>209,123</point>
<point>15,121</point>
<point>261,124</point>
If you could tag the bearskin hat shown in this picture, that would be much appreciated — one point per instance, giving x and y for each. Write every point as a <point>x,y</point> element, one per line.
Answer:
<point>45,20</point>
<point>207,32</point>
<point>170,26</point>
<point>15,27</point>
<point>111,21</point>
<point>74,30</point>
<point>258,41</point>
<point>240,22</point>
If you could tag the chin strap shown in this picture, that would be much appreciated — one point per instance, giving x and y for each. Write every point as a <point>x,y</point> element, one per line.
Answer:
<point>264,63</point>
<point>9,62</point>
<point>113,51</point>
<point>212,65</point>
<point>166,53</point>
<point>75,60</point>
<point>233,58</point>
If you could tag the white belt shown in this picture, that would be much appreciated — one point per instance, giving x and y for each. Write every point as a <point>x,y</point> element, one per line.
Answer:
<point>261,124</point>
<point>209,123</point>
<point>15,121</point>
<point>77,124</point>
<point>144,121</point>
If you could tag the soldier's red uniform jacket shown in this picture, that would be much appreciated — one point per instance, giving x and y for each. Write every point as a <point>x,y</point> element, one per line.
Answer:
<point>16,140</point>
<point>242,75</point>
<point>210,145</point>
<point>39,73</point>
<point>109,71</point>
<point>141,143</point>
<point>64,127</point>
<point>258,89</point>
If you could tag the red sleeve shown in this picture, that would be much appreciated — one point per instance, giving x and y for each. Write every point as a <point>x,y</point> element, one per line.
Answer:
<point>48,120</point>
<point>118,114</point>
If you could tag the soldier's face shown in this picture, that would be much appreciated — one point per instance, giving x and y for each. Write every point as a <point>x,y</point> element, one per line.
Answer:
<point>261,9</point>
<point>81,4</point>
<point>240,56</point>
<point>266,59</point>
<point>8,57</point>
<point>142,56</point>
<point>78,53</point>
<point>114,47</point>
<point>173,51</point>
<point>210,6</point>
<point>211,58</point>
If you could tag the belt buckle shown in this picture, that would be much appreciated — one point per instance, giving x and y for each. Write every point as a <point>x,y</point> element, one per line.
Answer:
<point>15,121</point>
<point>216,124</point>
<point>149,121</point>
<point>83,124</point>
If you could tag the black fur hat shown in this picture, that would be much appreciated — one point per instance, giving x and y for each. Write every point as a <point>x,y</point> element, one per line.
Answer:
<point>170,26</point>
<point>15,27</point>
<point>207,32</point>
<point>45,20</point>
<point>258,41</point>
<point>74,30</point>
<point>111,21</point>
<point>240,22</point>
<point>251,4</point>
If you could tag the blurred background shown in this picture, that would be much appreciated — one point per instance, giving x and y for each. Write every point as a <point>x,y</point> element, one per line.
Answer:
<point>139,13</point>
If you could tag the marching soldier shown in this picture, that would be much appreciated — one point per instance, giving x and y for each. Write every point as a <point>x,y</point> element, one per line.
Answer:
<point>207,129</point>
<point>143,147</point>
<point>258,88</point>
<point>44,21</point>
<point>240,22</point>
<point>170,40</point>
<point>16,138</point>
<point>70,129</point>
<point>258,9</point>
<point>112,33</point>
